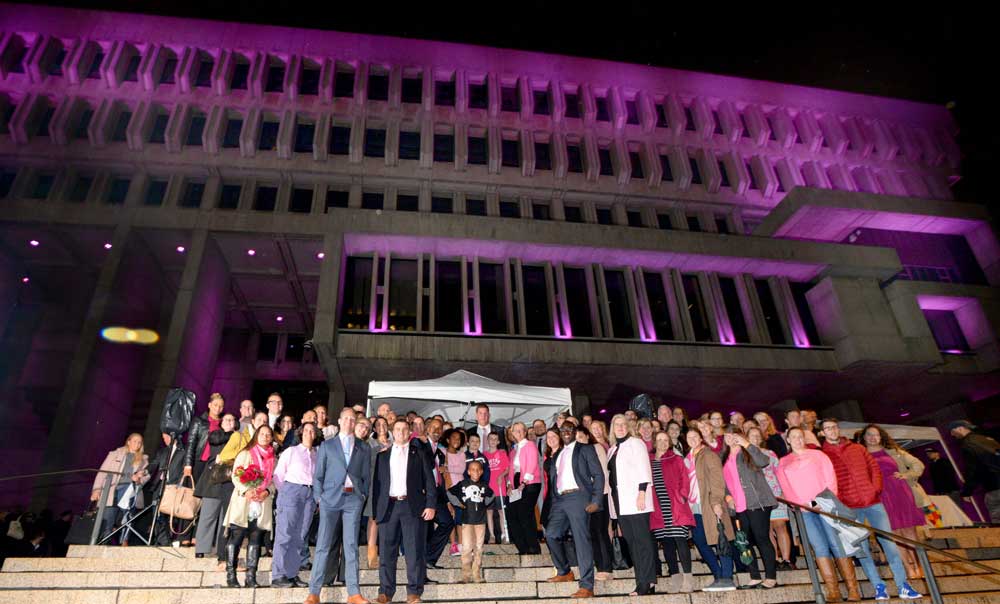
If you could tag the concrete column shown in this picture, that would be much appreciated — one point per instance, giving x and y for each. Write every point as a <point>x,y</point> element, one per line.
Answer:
<point>325,329</point>
<point>191,343</point>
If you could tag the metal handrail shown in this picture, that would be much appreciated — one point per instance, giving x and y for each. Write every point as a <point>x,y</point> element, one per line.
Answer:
<point>105,489</point>
<point>920,547</point>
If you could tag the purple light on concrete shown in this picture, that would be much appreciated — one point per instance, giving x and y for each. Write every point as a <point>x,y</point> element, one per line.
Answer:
<point>320,255</point>
<point>904,414</point>
<point>279,318</point>
<point>251,252</point>
<point>34,243</point>
<point>953,351</point>
<point>180,249</point>
<point>107,246</point>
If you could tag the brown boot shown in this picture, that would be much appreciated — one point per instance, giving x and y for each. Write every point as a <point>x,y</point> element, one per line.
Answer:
<point>477,571</point>
<point>466,573</point>
<point>846,566</point>
<point>829,574</point>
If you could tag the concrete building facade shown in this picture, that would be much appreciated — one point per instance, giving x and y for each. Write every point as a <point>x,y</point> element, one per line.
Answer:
<point>314,210</point>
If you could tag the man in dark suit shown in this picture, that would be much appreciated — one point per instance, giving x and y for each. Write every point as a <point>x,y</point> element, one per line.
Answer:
<point>404,495</point>
<point>340,486</point>
<point>577,485</point>
<point>484,428</point>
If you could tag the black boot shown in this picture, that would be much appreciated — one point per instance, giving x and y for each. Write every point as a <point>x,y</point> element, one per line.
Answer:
<point>253,558</point>
<point>231,554</point>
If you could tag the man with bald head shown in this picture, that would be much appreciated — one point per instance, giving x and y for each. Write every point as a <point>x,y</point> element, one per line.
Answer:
<point>246,413</point>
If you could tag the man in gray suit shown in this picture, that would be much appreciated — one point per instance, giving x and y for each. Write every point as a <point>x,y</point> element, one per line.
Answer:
<point>340,486</point>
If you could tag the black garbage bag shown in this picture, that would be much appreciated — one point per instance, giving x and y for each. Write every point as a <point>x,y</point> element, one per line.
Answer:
<point>178,408</point>
<point>643,406</point>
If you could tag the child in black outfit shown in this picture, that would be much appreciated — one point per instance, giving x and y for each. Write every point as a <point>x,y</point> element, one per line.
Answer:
<point>473,495</point>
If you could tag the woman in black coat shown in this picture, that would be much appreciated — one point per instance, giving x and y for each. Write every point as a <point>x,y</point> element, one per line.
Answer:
<point>214,496</point>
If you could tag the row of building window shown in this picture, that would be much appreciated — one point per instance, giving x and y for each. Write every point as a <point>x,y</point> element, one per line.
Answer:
<point>304,77</point>
<point>540,152</point>
<point>480,297</point>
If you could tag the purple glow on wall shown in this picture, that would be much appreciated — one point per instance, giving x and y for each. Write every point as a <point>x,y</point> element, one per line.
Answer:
<point>181,249</point>
<point>279,318</point>
<point>320,255</point>
<point>34,243</point>
<point>107,246</point>
<point>251,252</point>
<point>904,414</point>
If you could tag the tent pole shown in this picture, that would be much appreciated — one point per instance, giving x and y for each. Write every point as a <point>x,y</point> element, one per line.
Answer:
<point>947,451</point>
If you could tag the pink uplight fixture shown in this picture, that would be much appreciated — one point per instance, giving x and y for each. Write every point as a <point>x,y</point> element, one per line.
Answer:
<point>34,243</point>
<point>251,252</point>
<point>181,249</point>
<point>108,246</point>
<point>25,279</point>
<point>279,318</point>
<point>320,255</point>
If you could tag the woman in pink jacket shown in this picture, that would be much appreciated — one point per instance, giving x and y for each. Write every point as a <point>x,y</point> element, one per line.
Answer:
<point>526,477</point>
<point>672,518</point>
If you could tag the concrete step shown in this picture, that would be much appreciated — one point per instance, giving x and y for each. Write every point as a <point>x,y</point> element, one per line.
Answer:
<point>97,551</point>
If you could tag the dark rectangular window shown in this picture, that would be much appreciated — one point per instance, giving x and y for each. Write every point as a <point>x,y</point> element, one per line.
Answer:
<point>724,173</point>
<point>634,218</point>
<point>696,308</point>
<point>753,179</point>
<point>475,207</point>
<point>195,131</point>
<point>663,221</point>
<point>574,158</point>
<point>374,142</point>
<point>304,134</point>
<point>301,201</point>
<point>541,211</point>
<point>541,101</point>
<point>717,122</point>
<point>356,303</point>
<point>119,134</point>
<point>378,87</point>
<point>81,188</point>
<point>94,73</point>
<point>492,298</point>
<point>543,156</point>
<point>409,145</point>
<point>746,127</point>
<point>441,205</point>
<point>294,348</point>
<point>601,103</point>
<point>774,131</point>
<point>6,182</point>
<point>668,173</point>
<point>83,124</point>
<point>573,214</point>
<point>309,81</point>
<point>578,295</point>
<point>689,124</point>
<point>604,155</point>
<point>661,116</point>
<point>156,191</point>
<point>722,225</point>
<point>336,199</point>
<point>267,347</point>
<point>55,67</point>
<point>343,84</point>
<point>372,201</point>
<point>805,313</point>
<point>618,304</point>
<point>231,139</point>
<point>771,317</point>
<point>413,90</point>
<point>43,186</point>
<point>241,76</point>
<point>510,209</point>
<point>402,295</point>
<point>510,100</point>
<point>167,76</point>
<point>159,130</point>
<point>229,197</point>
<point>407,203</point>
<point>203,79</point>
<point>448,296</point>
<point>132,69</point>
<point>444,93</point>
<point>444,147</point>
<point>604,216</point>
<point>479,96</point>
<point>46,119</point>
<point>572,104</point>
<point>631,113</point>
<point>266,199</point>
<point>478,151</point>
<point>537,319</point>
<point>659,307</point>
<point>118,191</point>
<point>275,81</point>
<point>695,171</point>
<point>734,310</point>
<point>693,223</point>
<point>193,192</point>
<point>946,330</point>
<point>268,139</point>
<point>340,140</point>
<point>636,160</point>
<point>510,153</point>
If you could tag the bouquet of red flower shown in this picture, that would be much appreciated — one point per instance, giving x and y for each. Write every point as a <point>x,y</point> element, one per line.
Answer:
<point>250,475</point>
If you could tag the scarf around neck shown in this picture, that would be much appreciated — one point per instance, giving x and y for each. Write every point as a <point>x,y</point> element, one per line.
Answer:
<point>264,458</point>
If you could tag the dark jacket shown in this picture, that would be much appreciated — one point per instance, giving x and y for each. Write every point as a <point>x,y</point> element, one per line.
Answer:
<point>982,463</point>
<point>217,439</point>
<point>197,439</point>
<point>421,492</point>
<point>586,471</point>
<point>478,456</point>
<point>473,498</point>
<point>859,479</point>
<point>942,476</point>
<point>159,462</point>
<point>494,429</point>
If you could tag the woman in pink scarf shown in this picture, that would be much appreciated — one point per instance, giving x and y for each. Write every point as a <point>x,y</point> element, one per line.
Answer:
<point>251,508</point>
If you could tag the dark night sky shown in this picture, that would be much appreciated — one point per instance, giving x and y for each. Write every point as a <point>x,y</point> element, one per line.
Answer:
<point>922,54</point>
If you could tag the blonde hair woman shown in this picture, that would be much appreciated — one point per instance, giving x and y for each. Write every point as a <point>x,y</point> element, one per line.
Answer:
<point>124,471</point>
<point>631,500</point>
<point>774,440</point>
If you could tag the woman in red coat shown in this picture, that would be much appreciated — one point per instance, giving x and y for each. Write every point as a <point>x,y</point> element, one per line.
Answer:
<point>672,517</point>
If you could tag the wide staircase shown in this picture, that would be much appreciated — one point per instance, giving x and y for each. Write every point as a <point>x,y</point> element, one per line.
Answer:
<point>152,575</point>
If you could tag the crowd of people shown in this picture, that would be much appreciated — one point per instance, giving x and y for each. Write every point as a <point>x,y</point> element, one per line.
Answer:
<point>421,486</point>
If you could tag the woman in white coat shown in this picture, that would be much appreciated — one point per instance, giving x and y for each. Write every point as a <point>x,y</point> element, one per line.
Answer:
<point>631,500</point>
<point>124,470</point>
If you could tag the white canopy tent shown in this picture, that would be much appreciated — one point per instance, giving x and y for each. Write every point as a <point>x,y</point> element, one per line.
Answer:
<point>455,395</point>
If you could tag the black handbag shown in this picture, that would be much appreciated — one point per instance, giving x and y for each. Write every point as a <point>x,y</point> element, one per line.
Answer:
<point>82,527</point>
<point>220,473</point>
<point>620,557</point>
